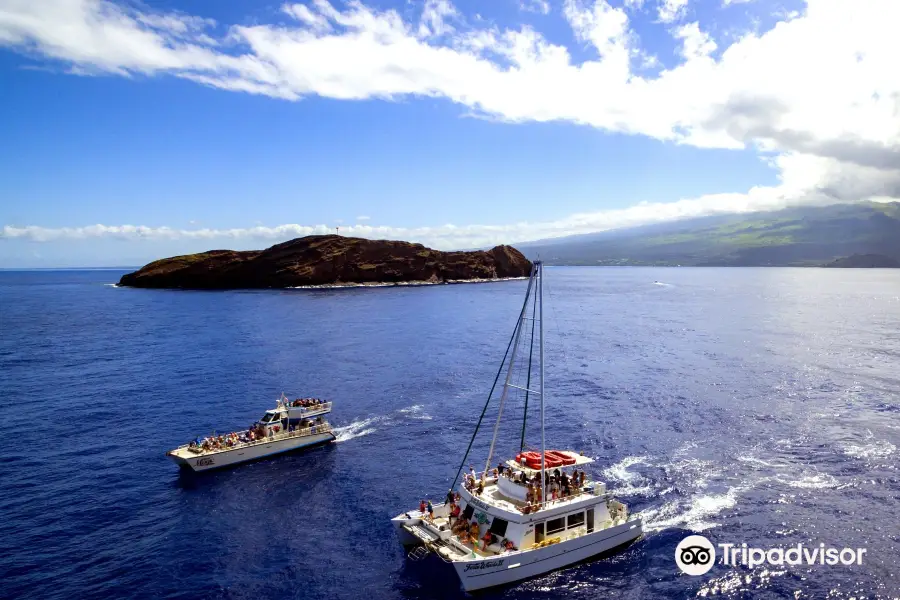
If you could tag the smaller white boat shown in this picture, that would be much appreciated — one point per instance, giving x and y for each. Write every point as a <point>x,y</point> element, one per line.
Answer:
<point>291,425</point>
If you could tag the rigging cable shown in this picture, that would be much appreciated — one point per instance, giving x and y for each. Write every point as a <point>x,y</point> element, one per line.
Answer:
<point>491,393</point>
<point>528,379</point>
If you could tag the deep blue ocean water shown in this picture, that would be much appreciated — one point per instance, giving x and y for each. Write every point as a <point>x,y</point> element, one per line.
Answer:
<point>752,405</point>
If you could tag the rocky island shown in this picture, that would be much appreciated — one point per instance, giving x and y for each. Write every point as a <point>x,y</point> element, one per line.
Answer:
<point>865,261</point>
<point>319,260</point>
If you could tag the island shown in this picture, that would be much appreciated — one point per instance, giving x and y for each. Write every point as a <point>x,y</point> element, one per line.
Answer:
<point>865,261</point>
<point>328,260</point>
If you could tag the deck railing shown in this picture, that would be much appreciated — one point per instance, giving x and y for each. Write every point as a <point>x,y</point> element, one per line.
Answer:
<point>531,506</point>
<point>316,408</point>
<point>323,428</point>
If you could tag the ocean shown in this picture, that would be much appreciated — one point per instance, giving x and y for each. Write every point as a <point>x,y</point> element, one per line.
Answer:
<point>755,406</point>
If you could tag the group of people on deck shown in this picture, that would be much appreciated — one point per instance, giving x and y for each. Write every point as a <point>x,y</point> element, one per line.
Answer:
<point>559,484</point>
<point>465,530</point>
<point>254,433</point>
<point>306,402</point>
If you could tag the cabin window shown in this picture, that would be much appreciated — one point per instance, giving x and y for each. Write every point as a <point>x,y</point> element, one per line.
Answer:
<point>538,532</point>
<point>556,525</point>
<point>498,527</point>
<point>590,520</point>
<point>576,520</point>
<point>467,514</point>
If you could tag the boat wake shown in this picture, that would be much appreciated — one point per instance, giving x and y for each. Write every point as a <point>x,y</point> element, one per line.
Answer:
<point>870,448</point>
<point>355,429</point>
<point>690,493</point>
<point>369,425</point>
<point>415,412</point>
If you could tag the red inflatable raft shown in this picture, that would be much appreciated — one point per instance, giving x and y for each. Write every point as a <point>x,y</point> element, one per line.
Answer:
<point>554,459</point>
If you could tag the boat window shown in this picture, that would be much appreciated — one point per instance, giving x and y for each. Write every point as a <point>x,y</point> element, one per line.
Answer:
<point>538,532</point>
<point>498,527</point>
<point>467,514</point>
<point>590,520</point>
<point>555,525</point>
<point>576,520</point>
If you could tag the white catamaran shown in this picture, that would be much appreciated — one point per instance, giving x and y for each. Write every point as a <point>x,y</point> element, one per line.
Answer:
<point>532,514</point>
<point>289,426</point>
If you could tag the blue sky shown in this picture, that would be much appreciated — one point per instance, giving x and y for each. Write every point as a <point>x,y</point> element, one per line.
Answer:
<point>134,131</point>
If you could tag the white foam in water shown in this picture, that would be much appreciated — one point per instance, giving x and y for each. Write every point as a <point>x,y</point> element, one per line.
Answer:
<point>879,449</point>
<point>814,482</point>
<point>355,429</point>
<point>115,285</point>
<point>619,471</point>
<point>872,448</point>
<point>695,518</point>
<point>415,412</point>
<point>756,461</point>
<point>631,482</point>
<point>366,426</point>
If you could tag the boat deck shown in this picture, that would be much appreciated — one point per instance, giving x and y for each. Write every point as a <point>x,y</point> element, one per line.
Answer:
<point>188,452</point>
<point>494,496</point>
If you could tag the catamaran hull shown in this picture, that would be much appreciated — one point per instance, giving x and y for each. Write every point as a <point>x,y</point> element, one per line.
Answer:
<point>229,458</point>
<point>510,568</point>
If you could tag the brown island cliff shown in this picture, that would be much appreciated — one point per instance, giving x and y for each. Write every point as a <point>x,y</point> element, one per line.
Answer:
<point>324,260</point>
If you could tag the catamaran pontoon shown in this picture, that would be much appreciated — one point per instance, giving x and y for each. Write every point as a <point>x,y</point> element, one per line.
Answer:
<point>289,426</point>
<point>529,516</point>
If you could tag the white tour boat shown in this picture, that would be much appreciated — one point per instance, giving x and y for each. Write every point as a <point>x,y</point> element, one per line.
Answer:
<point>291,425</point>
<point>532,514</point>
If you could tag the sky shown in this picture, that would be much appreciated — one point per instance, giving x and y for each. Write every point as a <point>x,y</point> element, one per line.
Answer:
<point>137,130</point>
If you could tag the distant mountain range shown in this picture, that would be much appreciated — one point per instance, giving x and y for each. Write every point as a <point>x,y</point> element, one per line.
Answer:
<point>802,236</point>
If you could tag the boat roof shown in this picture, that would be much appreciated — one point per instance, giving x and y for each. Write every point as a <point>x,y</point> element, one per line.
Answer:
<point>579,461</point>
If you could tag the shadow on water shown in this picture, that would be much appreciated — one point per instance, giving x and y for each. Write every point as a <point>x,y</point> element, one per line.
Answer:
<point>437,579</point>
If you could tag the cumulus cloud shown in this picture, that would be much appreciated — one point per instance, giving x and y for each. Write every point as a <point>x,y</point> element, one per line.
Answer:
<point>817,95</point>
<point>695,44</point>
<point>671,10</point>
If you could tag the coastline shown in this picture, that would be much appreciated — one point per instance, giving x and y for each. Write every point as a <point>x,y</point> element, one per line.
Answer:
<point>338,286</point>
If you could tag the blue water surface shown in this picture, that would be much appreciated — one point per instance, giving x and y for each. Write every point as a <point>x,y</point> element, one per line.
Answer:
<point>755,406</point>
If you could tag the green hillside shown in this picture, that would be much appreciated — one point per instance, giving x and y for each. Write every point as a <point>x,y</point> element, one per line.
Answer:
<point>808,236</point>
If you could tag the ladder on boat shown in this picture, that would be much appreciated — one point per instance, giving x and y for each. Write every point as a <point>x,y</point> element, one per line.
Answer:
<point>430,543</point>
<point>418,553</point>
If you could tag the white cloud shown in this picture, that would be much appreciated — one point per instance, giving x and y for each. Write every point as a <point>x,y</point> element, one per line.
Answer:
<point>363,218</point>
<point>817,95</point>
<point>535,6</point>
<point>448,237</point>
<point>317,22</point>
<point>727,2</point>
<point>695,44</point>
<point>671,10</point>
<point>434,18</point>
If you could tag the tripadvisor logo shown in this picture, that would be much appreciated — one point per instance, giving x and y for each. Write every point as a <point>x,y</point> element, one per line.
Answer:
<point>695,555</point>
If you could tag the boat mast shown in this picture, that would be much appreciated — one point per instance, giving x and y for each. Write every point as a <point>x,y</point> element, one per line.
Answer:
<point>509,372</point>
<point>540,292</point>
